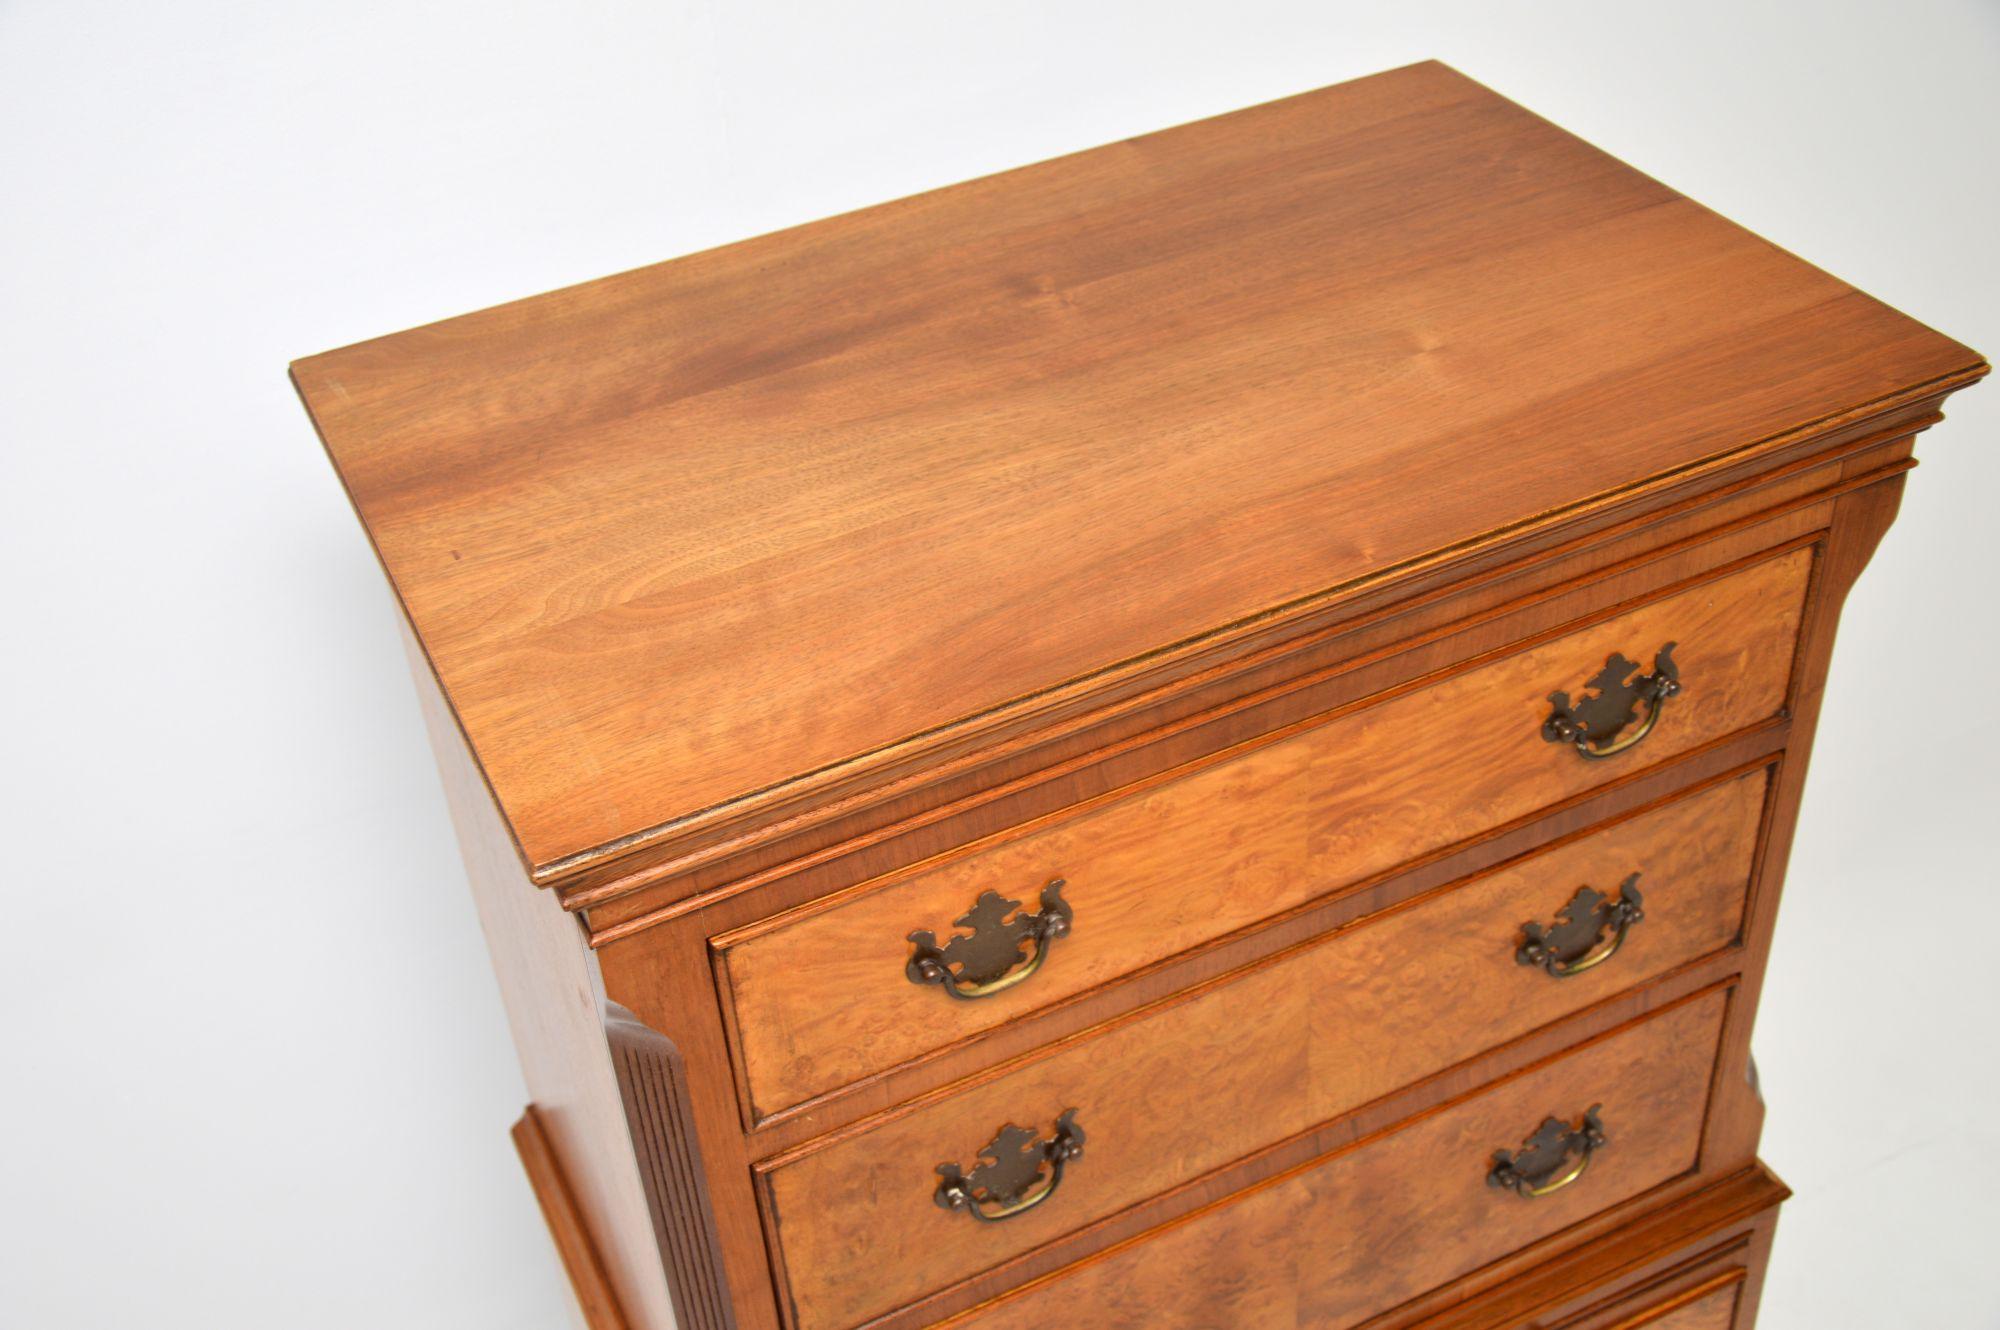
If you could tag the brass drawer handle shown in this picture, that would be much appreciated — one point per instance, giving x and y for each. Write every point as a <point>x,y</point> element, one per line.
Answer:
<point>1601,723</point>
<point>1017,1172</point>
<point>1577,941</point>
<point>988,959</point>
<point>1555,1156</point>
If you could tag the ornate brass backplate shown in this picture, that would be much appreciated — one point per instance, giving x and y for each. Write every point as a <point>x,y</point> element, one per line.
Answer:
<point>989,958</point>
<point>1596,725</point>
<point>1588,931</point>
<point>1555,1156</point>
<point>1018,1170</point>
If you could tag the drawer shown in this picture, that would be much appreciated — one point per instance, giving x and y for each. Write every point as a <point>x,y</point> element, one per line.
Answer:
<point>1709,1305</point>
<point>1153,874</point>
<point>1369,1227</point>
<point>1701,1254</point>
<point>1210,1076</point>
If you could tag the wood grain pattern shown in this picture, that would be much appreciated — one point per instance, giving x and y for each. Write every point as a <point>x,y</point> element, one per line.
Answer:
<point>1281,685</point>
<point>1203,519</point>
<point>1329,1245</point>
<point>555,1004</point>
<point>663,972</point>
<point>1197,1083</point>
<point>1025,763</point>
<point>703,541</point>
<point>1190,861</point>
<point>1721,1231</point>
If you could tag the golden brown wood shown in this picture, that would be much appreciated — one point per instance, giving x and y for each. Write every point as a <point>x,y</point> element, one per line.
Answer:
<point>1201,857</point>
<point>1710,1307</point>
<point>1277,691</point>
<point>730,537</point>
<point>1327,1246</point>
<point>676,993</point>
<point>550,986</point>
<point>1247,677</point>
<point>1720,1232</point>
<point>1203,519</point>
<point>596,1301</point>
<point>1203,1080</point>
<point>658,972</point>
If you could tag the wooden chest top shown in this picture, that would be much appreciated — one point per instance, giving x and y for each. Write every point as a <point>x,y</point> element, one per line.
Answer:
<point>756,523</point>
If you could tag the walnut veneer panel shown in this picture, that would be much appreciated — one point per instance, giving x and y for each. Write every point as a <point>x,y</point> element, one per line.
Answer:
<point>692,541</point>
<point>1181,864</point>
<point>1328,1245</point>
<point>1196,1083</point>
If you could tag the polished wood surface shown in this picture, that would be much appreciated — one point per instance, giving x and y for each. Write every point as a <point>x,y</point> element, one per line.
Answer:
<point>1204,520</point>
<point>1376,648</point>
<point>1327,1246</point>
<point>662,973</point>
<point>1244,1064</point>
<point>1716,1235</point>
<point>1198,858</point>
<point>731,539</point>
<point>556,1010</point>
<point>1264,676</point>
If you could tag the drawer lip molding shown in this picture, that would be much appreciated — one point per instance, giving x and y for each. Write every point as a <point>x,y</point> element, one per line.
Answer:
<point>1703,841</point>
<point>910,1014</point>
<point>1700,1017</point>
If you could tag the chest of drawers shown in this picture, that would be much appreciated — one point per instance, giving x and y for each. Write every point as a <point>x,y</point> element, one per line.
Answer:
<point>1202,734</point>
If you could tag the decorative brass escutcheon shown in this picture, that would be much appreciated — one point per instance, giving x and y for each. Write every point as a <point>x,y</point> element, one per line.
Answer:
<point>988,959</point>
<point>1555,1156</point>
<point>1017,1172</point>
<point>1602,722</point>
<point>1588,931</point>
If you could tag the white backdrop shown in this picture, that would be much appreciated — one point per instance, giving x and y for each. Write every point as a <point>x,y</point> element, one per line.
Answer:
<point>253,1068</point>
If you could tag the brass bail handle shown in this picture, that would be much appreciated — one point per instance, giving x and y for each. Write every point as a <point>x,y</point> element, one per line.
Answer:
<point>1553,1158</point>
<point>987,960</point>
<point>1588,931</point>
<point>1016,1173</point>
<point>1607,720</point>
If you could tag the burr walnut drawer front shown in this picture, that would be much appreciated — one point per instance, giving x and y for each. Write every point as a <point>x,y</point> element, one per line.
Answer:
<point>945,950</point>
<point>1203,1079</point>
<point>1365,1229</point>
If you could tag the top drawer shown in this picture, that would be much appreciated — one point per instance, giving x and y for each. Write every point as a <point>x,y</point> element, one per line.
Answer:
<point>1145,877</point>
